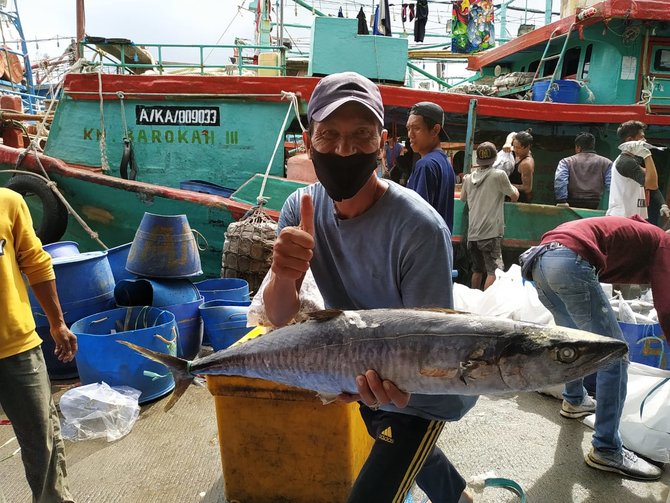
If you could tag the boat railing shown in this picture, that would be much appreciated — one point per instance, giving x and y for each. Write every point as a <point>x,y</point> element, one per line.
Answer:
<point>129,57</point>
<point>32,103</point>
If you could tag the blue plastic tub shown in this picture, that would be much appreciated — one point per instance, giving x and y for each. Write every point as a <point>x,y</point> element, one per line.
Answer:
<point>236,289</point>
<point>217,312</point>
<point>164,247</point>
<point>567,92</point>
<point>223,335</point>
<point>117,257</point>
<point>189,328</point>
<point>62,249</point>
<point>155,292</point>
<point>102,358</point>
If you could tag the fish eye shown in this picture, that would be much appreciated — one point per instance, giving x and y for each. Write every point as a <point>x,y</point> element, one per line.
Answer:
<point>567,354</point>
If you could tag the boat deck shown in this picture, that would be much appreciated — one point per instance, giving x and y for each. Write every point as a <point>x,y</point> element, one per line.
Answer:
<point>174,457</point>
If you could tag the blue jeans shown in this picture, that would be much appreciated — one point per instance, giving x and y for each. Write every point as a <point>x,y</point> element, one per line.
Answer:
<point>568,286</point>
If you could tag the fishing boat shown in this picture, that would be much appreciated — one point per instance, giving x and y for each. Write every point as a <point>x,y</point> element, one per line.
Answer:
<point>211,146</point>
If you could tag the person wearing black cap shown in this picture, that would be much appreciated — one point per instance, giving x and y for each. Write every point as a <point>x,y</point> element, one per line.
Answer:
<point>433,177</point>
<point>370,243</point>
<point>484,190</point>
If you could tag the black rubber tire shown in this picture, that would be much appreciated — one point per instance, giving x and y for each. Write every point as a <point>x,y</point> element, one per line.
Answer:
<point>54,220</point>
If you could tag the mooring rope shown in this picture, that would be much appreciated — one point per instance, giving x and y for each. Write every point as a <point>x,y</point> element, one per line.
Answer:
<point>104,162</point>
<point>54,188</point>
<point>293,106</point>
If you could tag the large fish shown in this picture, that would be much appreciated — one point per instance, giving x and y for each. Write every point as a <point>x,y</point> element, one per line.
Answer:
<point>421,350</point>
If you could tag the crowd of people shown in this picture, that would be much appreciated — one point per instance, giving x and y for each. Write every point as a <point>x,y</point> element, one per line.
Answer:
<point>371,243</point>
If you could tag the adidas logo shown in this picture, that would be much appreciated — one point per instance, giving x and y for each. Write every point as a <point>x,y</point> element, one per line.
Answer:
<point>386,435</point>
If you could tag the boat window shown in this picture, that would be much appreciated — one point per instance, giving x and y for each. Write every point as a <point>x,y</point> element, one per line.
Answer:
<point>571,62</point>
<point>587,62</point>
<point>549,67</point>
<point>662,60</point>
<point>533,66</point>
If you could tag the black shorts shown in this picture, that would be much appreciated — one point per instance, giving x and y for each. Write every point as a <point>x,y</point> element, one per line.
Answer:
<point>486,255</point>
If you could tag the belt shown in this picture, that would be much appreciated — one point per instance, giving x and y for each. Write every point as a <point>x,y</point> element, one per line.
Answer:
<point>553,245</point>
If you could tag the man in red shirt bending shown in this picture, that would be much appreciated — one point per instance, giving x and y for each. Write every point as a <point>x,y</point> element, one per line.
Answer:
<point>567,268</point>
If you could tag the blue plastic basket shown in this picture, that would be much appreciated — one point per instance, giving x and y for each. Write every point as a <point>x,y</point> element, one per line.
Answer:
<point>102,358</point>
<point>563,91</point>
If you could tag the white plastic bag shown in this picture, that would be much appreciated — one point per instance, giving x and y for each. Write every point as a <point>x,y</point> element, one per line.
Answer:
<point>508,297</point>
<point>505,162</point>
<point>310,300</point>
<point>645,427</point>
<point>99,411</point>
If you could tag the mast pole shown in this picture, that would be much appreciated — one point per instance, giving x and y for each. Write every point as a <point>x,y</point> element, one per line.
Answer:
<point>280,42</point>
<point>547,12</point>
<point>81,26</point>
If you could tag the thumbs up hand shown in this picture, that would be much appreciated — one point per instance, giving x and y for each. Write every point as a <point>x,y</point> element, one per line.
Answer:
<point>294,247</point>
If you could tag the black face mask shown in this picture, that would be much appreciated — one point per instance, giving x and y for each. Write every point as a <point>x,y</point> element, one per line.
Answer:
<point>343,177</point>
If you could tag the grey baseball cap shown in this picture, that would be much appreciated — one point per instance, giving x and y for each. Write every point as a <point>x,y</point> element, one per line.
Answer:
<point>431,111</point>
<point>486,154</point>
<point>335,90</point>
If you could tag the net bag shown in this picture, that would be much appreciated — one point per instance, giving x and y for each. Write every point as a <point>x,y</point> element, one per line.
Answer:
<point>247,248</point>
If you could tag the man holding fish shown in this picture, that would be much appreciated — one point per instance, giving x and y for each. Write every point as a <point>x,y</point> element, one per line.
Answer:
<point>370,244</point>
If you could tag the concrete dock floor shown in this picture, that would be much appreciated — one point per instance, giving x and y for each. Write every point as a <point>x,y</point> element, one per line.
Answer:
<point>174,457</point>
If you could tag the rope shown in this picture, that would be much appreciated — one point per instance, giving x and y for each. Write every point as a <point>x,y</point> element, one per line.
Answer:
<point>292,106</point>
<point>647,94</point>
<point>52,185</point>
<point>591,98</point>
<point>198,235</point>
<point>104,162</point>
<point>123,113</point>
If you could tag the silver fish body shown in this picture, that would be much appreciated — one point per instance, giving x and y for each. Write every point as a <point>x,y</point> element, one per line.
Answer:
<point>421,351</point>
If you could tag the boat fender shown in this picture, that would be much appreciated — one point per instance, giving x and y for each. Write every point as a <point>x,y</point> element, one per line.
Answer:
<point>54,214</point>
<point>128,157</point>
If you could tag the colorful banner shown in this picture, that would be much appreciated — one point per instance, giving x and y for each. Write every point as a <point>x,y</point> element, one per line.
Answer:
<point>472,27</point>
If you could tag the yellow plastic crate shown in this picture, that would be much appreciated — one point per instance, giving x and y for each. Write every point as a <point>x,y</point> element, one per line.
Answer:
<point>279,443</point>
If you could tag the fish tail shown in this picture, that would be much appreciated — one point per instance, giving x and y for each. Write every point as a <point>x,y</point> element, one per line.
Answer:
<point>178,366</point>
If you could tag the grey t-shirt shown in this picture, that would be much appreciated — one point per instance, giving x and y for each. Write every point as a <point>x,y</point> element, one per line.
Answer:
<point>485,191</point>
<point>396,254</point>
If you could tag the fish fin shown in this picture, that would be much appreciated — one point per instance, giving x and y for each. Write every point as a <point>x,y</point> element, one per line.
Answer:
<point>327,398</point>
<point>324,314</point>
<point>178,367</point>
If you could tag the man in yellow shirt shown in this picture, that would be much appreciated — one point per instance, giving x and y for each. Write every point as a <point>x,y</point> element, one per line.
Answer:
<point>25,393</point>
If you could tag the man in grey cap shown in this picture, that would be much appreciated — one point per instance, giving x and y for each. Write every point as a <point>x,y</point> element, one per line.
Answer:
<point>433,177</point>
<point>370,243</point>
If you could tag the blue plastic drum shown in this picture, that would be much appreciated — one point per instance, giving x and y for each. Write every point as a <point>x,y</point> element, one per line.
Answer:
<point>85,286</point>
